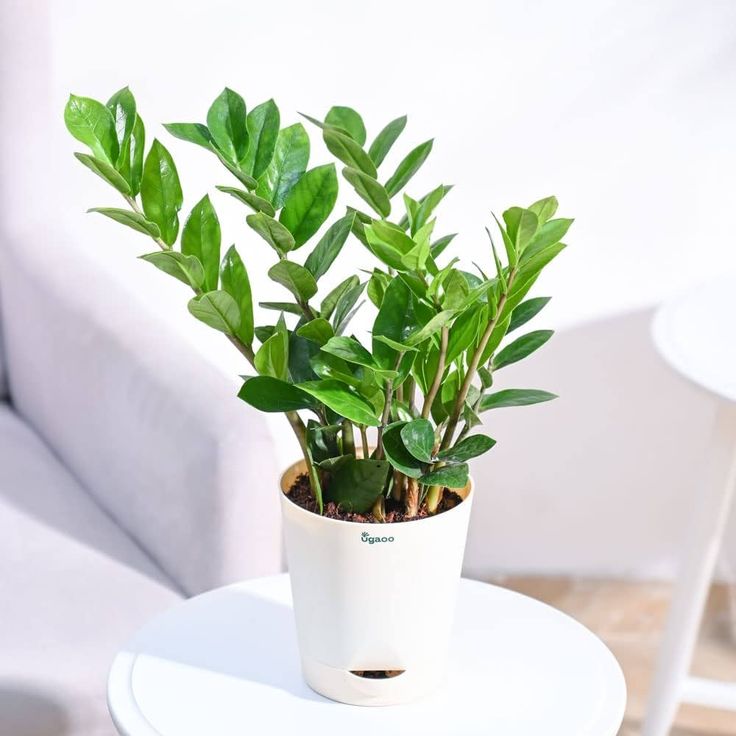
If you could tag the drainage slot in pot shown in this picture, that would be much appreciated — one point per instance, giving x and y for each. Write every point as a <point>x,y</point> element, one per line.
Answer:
<point>377,674</point>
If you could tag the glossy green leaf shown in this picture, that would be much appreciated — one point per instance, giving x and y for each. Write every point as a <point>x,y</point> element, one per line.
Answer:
<point>256,203</point>
<point>104,171</point>
<point>514,397</point>
<point>347,119</point>
<point>266,393</point>
<point>369,190</point>
<point>227,123</point>
<point>521,348</point>
<point>356,484</point>
<point>192,133</point>
<point>318,331</point>
<point>549,234</point>
<point>449,476</point>
<point>309,203</point>
<point>130,160</point>
<point>287,307</point>
<point>161,192</point>
<point>418,438</point>
<point>330,301</point>
<point>263,131</point>
<point>441,244</point>
<point>423,209</point>
<point>218,310</point>
<point>295,278</point>
<point>187,269</point>
<point>201,238</point>
<point>321,258</point>
<point>526,311</point>
<point>467,448</point>
<point>386,139</point>
<point>272,231</point>
<point>464,332</point>
<point>131,219</point>
<point>544,209</point>
<point>350,350</point>
<point>521,225</point>
<point>245,179</point>
<point>272,358</point>
<point>345,307</point>
<point>289,162</point>
<point>408,167</point>
<point>342,400</point>
<point>397,454</point>
<point>348,151</point>
<point>438,321</point>
<point>394,321</point>
<point>377,284</point>
<point>90,122</point>
<point>301,352</point>
<point>395,345</point>
<point>122,107</point>
<point>235,281</point>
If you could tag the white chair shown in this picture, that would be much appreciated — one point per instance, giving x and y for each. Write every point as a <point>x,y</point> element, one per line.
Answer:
<point>696,336</point>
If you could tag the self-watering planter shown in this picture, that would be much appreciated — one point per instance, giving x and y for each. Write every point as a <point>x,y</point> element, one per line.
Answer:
<point>373,598</point>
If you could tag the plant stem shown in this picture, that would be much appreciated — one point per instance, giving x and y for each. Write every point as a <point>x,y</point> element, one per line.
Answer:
<point>379,509</point>
<point>412,497</point>
<point>473,365</point>
<point>397,491</point>
<point>386,410</point>
<point>364,440</point>
<point>348,438</point>
<point>437,382</point>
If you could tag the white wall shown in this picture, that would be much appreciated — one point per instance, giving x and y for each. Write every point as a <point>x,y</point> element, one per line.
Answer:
<point>624,110</point>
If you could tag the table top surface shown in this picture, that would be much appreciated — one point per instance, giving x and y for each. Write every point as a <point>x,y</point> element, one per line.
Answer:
<point>226,663</point>
<point>696,335</point>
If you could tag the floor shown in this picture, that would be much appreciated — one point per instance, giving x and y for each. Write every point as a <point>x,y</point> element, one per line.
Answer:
<point>630,617</point>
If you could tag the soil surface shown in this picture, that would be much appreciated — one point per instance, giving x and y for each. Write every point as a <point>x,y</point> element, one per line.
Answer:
<point>301,494</point>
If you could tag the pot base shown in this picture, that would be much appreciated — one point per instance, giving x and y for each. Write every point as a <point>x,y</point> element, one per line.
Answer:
<point>345,687</point>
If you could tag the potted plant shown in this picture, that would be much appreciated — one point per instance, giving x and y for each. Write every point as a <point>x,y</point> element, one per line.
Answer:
<point>376,511</point>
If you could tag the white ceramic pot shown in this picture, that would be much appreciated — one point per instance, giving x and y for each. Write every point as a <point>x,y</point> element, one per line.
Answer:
<point>373,597</point>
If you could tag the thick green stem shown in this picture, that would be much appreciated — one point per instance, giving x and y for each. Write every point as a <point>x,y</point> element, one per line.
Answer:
<point>364,440</point>
<point>412,497</point>
<point>386,410</point>
<point>348,438</point>
<point>437,382</point>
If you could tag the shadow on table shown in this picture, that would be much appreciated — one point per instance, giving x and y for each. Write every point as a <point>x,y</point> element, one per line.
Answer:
<point>238,635</point>
<point>28,712</point>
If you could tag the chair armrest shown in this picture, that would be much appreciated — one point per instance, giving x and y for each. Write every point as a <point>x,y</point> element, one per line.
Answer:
<point>147,421</point>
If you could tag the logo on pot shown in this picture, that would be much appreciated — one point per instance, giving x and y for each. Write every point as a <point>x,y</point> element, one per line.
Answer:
<point>365,537</point>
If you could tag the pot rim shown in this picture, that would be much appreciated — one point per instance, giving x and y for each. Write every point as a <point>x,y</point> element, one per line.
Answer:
<point>466,492</point>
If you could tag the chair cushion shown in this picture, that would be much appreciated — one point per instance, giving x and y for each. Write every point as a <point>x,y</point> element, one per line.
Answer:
<point>74,588</point>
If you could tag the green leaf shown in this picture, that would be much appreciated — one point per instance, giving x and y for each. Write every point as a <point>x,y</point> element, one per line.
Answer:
<point>449,476</point>
<point>272,231</point>
<point>550,233</point>
<point>441,244</point>
<point>386,139</point>
<point>348,151</point>
<point>161,192</point>
<point>263,131</point>
<point>187,269</point>
<point>394,321</point>
<point>226,120</point>
<point>235,281</point>
<point>317,330</point>
<point>521,348</point>
<point>521,225</point>
<point>272,358</point>
<point>418,438</point>
<point>218,310</point>
<point>464,332</point>
<point>350,350</point>
<point>129,218</point>
<point>201,238</point>
<point>515,397</point>
<point>342,400</point>
<point>348,120</point>
<point>287,307</point>
<point>256,203</point>
<point>330,301</point>
<point>130,161</point>
<point>377,284</point>
<point>526,311</point>
<point>408,167</point>
<point>289,162</point>
<point>344,308</point>
<point>301,352</point>
<point>104,171</point>
<point>245,179</point>
<point>90,122</point>
<point>357,483</point>
<point>321,258</point>
<point>309,203</point>
<point>424,208</point>
<point>295,278</point>
<point>192,133</point>
<point>440,320</point>
<point>544,209</point>
<point>398,346</point>
<point>397,454</point>
<point>369,190</point>
<point>272,395</point>
<point>467,448</point>
<point>122,107</point>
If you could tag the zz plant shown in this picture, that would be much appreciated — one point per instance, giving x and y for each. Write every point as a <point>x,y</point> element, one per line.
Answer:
<point>439,334</point>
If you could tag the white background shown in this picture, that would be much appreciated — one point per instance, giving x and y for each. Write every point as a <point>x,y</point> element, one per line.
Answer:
<point>626,111</point>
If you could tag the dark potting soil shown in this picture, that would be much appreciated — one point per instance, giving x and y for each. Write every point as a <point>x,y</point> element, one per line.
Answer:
<point>301,494</point>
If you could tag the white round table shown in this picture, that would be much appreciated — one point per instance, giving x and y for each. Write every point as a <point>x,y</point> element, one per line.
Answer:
<point>226,664</point>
